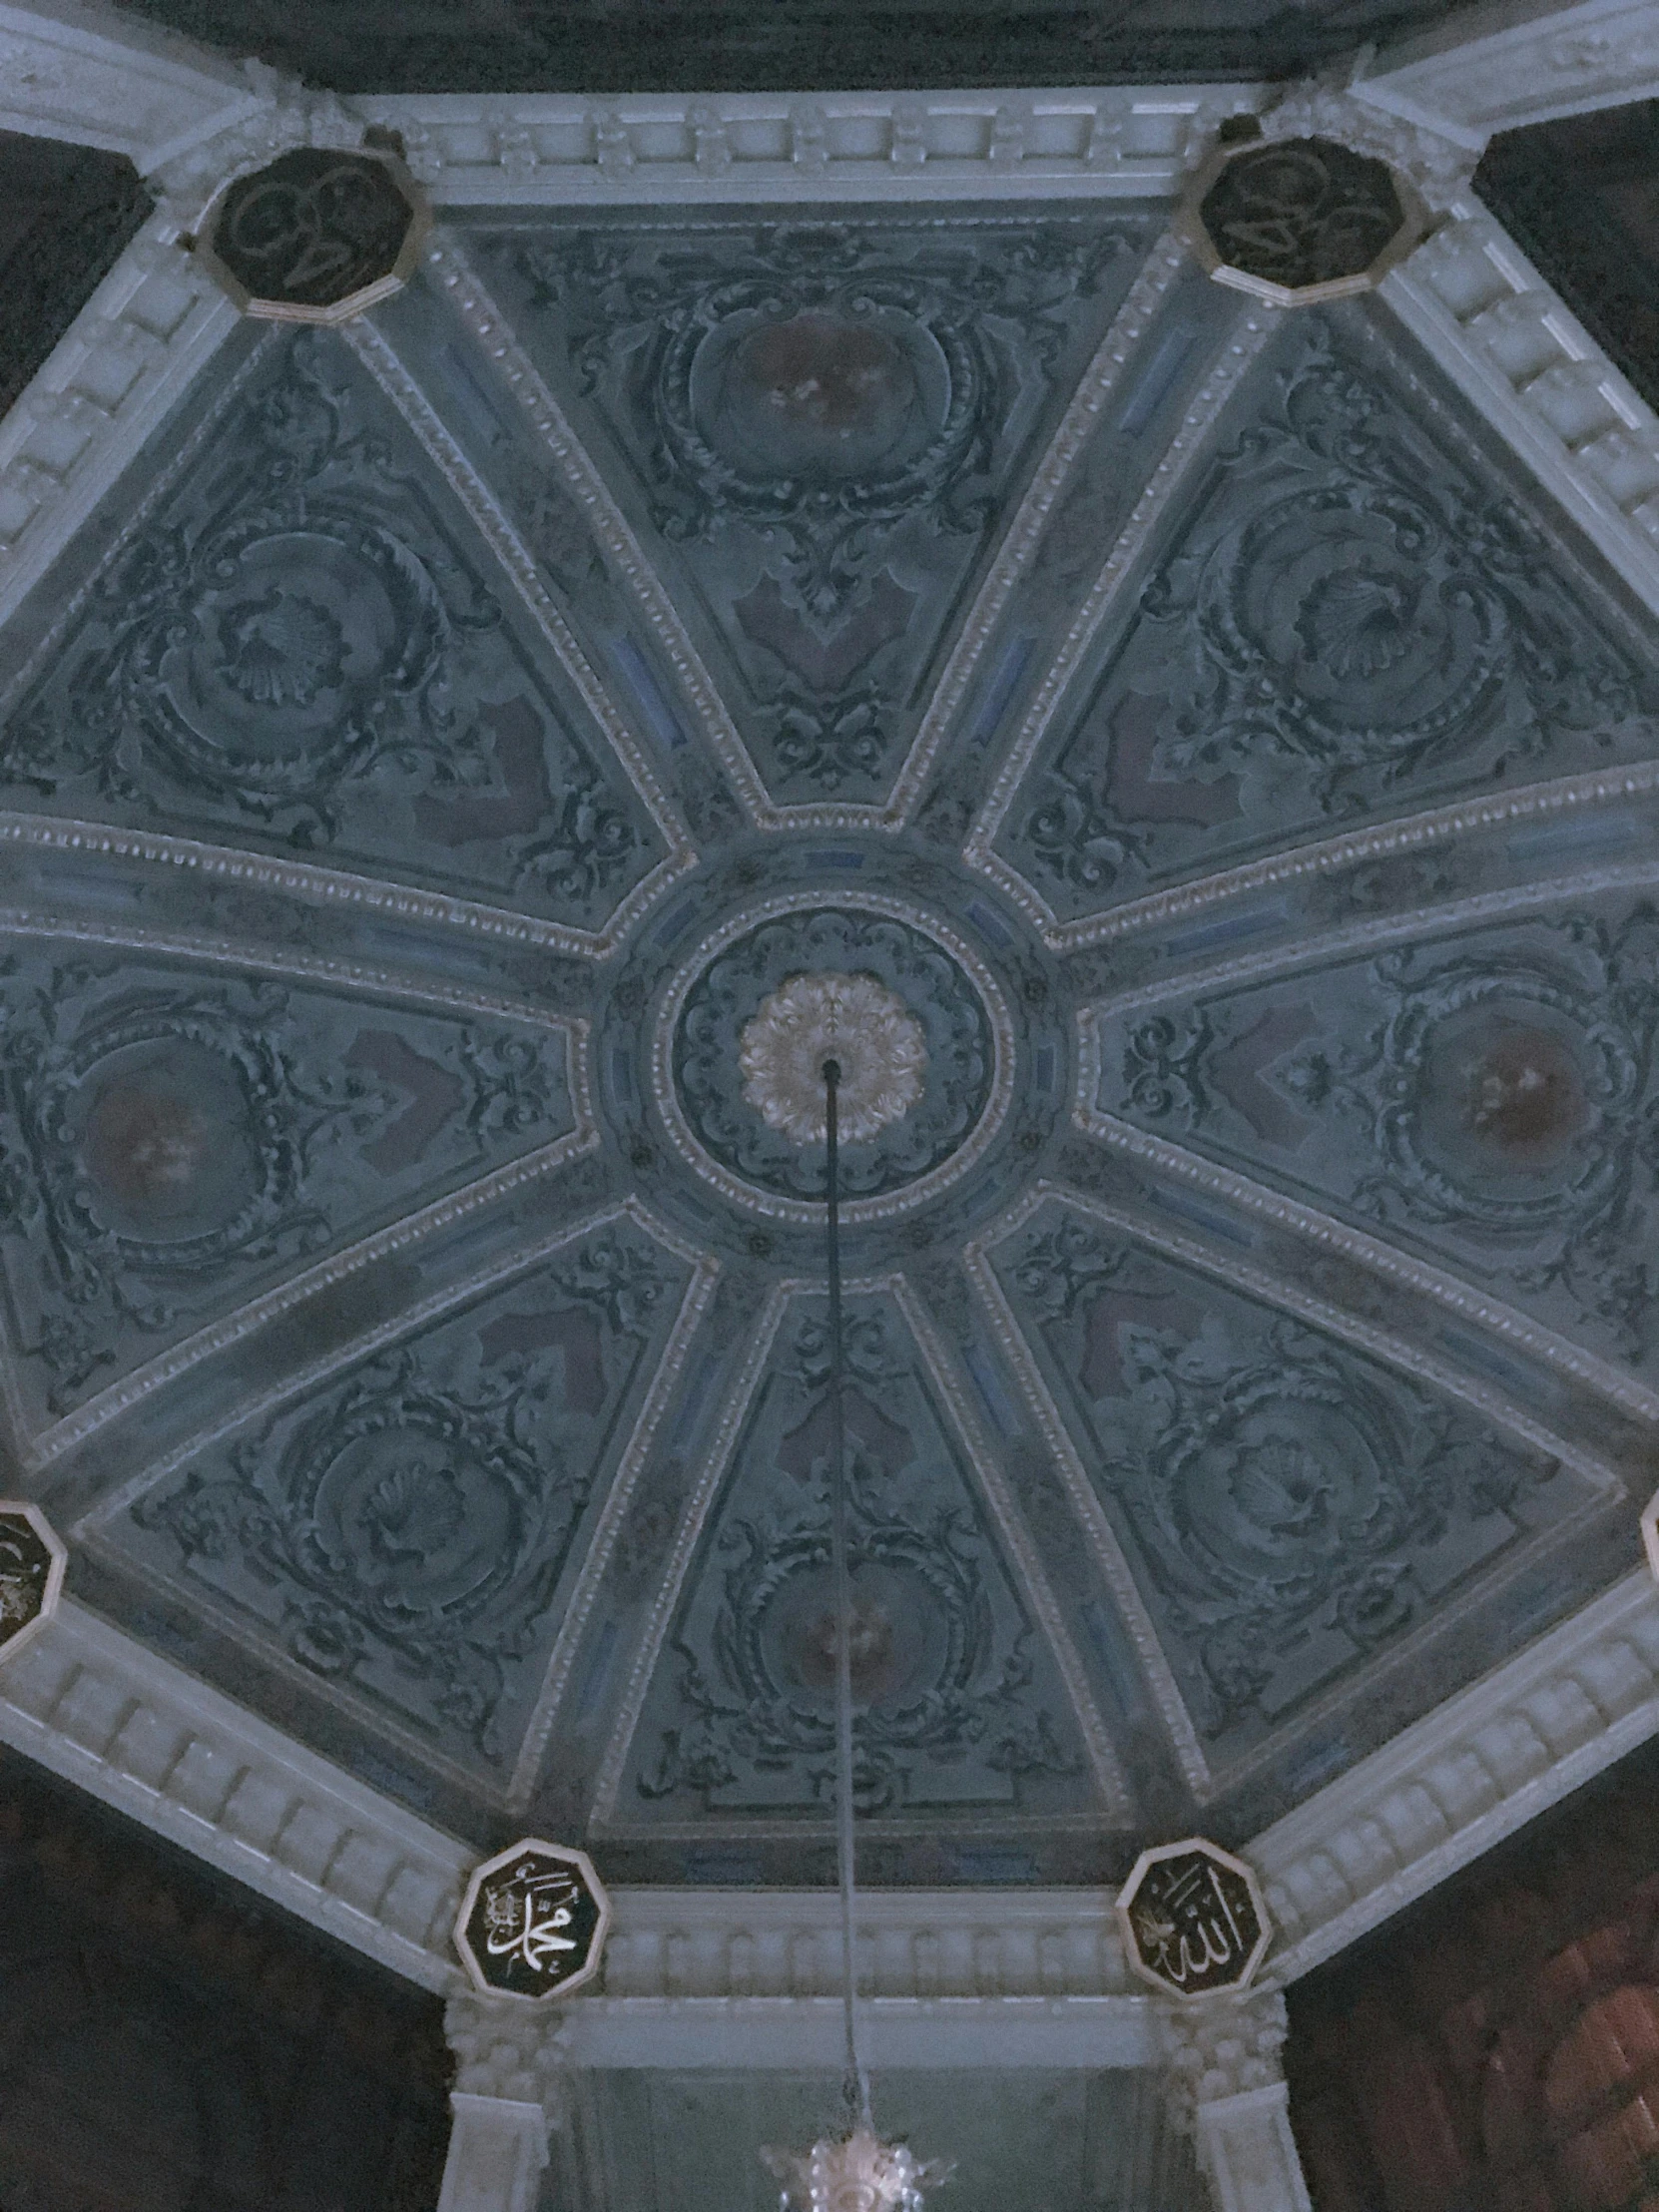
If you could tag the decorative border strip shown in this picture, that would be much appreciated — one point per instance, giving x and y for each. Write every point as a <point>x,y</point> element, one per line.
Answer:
<point>1025,533</point>
<point>550,149</point>
<point>1256,1283</point>
<point>299,879</point>
<point>485,513</point>
<point>1244,343</point>
<point>1474,301</point>
<point>1463,1778</point>
<point>1406,834</point>
<point>1325,1231</point>
<point>410,1229</point>
<point>137,1732</point>
<point>717,1459</point>
<point>810,1212</point>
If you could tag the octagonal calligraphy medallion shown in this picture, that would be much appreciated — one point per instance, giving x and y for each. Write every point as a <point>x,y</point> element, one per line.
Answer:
<point>1297,221</point>
<point>532,1923</point>
<point>317,235</point>
<point>1194,1919</point>
<point>32,1564</point>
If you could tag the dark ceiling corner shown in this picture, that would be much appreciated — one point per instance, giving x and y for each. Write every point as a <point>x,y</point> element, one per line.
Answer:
<point>610,46</point>
<point>166,2038</point>
<point>1582,198</point>
<point>66,211</point>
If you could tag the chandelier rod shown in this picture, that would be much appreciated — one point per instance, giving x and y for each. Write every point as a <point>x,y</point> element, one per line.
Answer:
<point>854,2081</point>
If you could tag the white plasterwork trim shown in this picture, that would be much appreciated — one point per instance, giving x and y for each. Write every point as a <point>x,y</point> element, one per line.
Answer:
<point>1514,64</point>
<point>769,148</point>
<point>1474,301</point>
<point>1455,1782</point>
<point>1025,533</point>
<point>133,1730</point>
<point>323,887</point>
<point>1323,1231</point>
<point>487,517</point>
<point>1406,833</point>
<point>1243,344</point>
<point>410,1229</point>
<point>88,76</point>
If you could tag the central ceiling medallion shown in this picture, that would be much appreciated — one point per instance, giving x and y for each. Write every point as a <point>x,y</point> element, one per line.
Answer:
<point>851,1020</point>
<point>917,1023</point>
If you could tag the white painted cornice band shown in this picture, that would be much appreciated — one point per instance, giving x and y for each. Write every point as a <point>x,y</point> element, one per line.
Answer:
<point>137,1732</point>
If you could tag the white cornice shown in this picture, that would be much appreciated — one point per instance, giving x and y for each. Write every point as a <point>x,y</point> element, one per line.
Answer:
<point>74,71</point>
<point>1515,63</point>
<point>1463,1778</point>
<point>775,148</point>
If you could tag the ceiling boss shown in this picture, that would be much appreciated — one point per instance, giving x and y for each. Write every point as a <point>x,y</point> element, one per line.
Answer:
<point>853,1020</point>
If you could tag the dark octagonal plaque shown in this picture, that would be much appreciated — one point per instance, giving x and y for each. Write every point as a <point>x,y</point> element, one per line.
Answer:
<point>317,235</point>
<point>1297,221</point>
<point>532,1923</point>
<point>32,1563</point>
<point>1194,1919</point>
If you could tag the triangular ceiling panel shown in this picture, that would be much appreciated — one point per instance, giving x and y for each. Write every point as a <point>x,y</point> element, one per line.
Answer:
<point>407,1538</point>
<point>1345,615</point>
<point>300,642</point>
<point>175,1139</point>
<point>821,430</point>
<point>1488,1097</point>
<point>961,1668</point>
<point>1279,1512</point>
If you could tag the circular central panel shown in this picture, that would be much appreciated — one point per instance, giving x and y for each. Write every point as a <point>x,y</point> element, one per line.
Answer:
<point>878,1050</point>
<point>919,1028</point>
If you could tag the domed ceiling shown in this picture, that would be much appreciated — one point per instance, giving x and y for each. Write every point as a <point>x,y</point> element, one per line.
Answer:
<point>462,723</point>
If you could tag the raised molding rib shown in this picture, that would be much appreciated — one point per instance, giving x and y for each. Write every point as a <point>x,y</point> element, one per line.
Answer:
<point>131,1728</point>
<point>1475,301</point>
<point>1513,64</point>
<point>74,71</point>
<point>1462,1779</point>
<point>541,149</point>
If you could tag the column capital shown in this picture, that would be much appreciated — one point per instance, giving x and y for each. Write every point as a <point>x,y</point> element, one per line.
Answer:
<point>506,2048</point>
<point>1226,2087</point>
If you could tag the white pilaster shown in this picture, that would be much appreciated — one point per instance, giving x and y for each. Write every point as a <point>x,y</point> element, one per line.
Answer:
<point>80,72</point>
<point>1228,2087</point>
<point>507,2095</point>
<point>498,2149</point>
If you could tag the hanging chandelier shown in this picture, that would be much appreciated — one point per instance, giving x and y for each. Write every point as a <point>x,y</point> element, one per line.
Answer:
<point>854,2171</point>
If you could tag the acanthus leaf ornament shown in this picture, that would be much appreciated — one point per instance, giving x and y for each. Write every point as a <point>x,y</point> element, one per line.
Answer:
<point>532,1922</point>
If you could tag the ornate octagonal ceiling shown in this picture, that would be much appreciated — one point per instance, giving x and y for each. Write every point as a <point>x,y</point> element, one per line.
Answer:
<point>458,724</point>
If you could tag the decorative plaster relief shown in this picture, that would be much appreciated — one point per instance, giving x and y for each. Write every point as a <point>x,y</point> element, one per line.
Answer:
<point>942,986</point>
<point>969,1690</point>
<point>721,372</point>
<point>1274,1508</point>
<point>1344,608</point>
<point>1486,1097</point>
<point>171,1138</point>
<point>296,640</point>
<point>410,1534</point>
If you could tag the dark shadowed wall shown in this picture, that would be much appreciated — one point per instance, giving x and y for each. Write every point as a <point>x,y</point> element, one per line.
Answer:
<point>167,2044</point>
